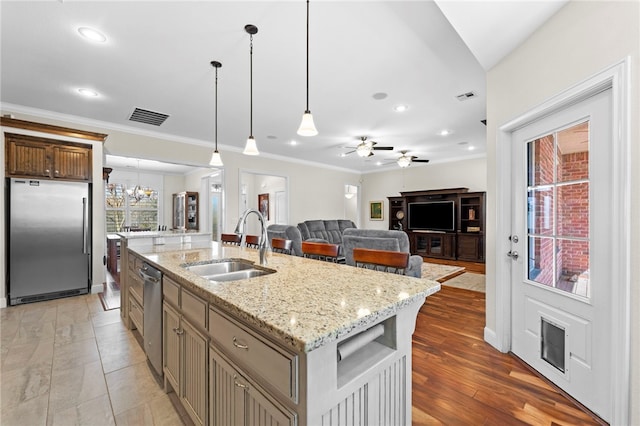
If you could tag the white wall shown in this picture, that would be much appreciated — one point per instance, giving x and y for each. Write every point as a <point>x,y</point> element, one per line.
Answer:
<point>456,174</point>
<point>582,39</point>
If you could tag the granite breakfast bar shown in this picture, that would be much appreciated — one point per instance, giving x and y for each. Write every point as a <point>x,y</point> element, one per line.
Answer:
<point>308,343</point>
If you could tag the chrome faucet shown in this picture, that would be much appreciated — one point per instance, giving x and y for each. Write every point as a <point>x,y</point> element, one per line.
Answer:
<point>263,246</point>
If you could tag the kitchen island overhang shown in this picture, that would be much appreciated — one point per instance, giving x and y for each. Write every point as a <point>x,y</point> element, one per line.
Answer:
<point>346,332</point>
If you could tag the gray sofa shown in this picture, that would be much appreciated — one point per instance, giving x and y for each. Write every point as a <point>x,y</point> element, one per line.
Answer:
<point>329,231</point>
<point>380,240</point>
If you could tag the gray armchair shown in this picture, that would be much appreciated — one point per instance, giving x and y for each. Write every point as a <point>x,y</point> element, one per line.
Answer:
<point>380,240</point>
<point>288,232</point>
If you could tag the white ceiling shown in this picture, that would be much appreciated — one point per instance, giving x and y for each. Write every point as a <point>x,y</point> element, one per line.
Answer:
<point>158,55</point>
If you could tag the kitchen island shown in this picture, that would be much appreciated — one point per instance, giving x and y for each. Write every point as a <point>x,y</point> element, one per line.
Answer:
<point>310,343</point>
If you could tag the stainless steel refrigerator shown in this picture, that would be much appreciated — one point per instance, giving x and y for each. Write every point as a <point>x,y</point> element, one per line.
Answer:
<point>49,244</point>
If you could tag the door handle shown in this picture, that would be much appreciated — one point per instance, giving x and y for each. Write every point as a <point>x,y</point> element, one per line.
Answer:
<point>513,254</point>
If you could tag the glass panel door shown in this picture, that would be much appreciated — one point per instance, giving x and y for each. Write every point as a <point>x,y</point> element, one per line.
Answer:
<point>558,210</point>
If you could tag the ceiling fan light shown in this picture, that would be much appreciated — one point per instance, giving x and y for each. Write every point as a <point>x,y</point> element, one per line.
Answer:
<point>251,148</point>
<point>363,150</point>
<point>404,161</point>
<point>216,159</point>
<point>307,127</point>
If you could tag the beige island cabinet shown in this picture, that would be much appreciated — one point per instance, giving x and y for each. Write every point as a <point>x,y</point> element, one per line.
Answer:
<point>310,343</point>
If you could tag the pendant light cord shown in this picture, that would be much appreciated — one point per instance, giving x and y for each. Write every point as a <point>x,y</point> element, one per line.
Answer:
<point>307,110</point>
<point>251,85</point>
<point>216,118</point>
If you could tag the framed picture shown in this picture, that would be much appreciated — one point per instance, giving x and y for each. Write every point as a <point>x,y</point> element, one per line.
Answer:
<point>263,205</point>
<point>375,210</point>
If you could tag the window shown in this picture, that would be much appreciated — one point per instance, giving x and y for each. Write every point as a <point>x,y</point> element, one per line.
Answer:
<point>130,208</point>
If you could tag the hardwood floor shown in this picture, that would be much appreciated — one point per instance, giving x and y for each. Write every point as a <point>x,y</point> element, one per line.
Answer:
<point>459,379</point>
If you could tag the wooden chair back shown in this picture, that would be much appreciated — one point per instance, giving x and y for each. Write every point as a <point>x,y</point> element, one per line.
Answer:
<point>280,245</point>
<point>321,251</point>
<point>252,241</point>
<point>232,239</point>
<point>381,260</point>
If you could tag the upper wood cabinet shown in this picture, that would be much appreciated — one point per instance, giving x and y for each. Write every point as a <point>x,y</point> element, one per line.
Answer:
<point>30,156</point>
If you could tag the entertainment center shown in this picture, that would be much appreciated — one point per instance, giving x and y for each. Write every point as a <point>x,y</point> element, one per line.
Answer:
<point>443,223</point>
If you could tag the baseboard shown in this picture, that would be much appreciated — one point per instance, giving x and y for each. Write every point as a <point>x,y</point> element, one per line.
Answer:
<point>491,338</point>
<point>97,288</point>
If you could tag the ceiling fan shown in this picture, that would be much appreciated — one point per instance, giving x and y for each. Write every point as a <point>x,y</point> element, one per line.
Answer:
<point>405,160</point>
<point>365,148</point>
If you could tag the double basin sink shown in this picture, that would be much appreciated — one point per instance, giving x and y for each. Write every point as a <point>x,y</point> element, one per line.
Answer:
<point>228,270</point>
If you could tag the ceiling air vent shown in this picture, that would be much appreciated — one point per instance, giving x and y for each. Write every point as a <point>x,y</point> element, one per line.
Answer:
<point>466,96</point>
<point>148,117</point>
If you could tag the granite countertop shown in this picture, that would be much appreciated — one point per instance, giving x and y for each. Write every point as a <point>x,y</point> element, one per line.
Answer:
<point>305,304</point>
<point>147,234</point>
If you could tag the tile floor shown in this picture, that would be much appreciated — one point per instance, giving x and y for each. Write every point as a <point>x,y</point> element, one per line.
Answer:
<point>70,362</point>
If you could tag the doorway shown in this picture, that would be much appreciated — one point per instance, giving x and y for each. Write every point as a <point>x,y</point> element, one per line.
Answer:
<point>213,186</point>
<point>573,328</point>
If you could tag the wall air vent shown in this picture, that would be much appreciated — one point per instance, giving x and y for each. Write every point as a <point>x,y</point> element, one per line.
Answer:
<point>148,117</point>
<point>466,96</point>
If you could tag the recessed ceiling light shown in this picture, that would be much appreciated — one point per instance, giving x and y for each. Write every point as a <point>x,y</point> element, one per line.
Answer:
<point>293,143</point>
<point>471,148</point>
<point>88,93</point>
<point>444,132</point>
<point>400,108</point>
<point>463,143</point>
<point>379,96</point>
<point>91,34</point>
<point>343,155</point>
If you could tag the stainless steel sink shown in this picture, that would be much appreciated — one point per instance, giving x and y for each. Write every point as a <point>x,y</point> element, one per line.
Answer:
<point>240,275</point>
<point>228,270</point>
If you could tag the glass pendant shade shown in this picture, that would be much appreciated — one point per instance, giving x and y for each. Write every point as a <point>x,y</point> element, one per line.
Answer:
<point>251,148</point>
<point>307,127</point>
<point>404,161</point>
<point>216,160</point>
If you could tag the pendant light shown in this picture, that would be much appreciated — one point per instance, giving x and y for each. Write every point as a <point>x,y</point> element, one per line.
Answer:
<point>216,160</point>
<point>251,148</point>
<point>307,127</point>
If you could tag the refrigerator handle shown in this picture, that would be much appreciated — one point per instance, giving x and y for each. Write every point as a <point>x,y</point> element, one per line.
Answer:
<point>85,226</point>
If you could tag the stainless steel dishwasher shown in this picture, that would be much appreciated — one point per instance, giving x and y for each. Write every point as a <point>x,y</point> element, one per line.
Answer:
<point>152,315</point>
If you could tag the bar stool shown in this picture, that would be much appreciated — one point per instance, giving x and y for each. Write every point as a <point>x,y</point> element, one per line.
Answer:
<point>231,239</point>
<point>253,241</point>
<point>321,251</point>
<point>381,260</point>
<point>280,245</point>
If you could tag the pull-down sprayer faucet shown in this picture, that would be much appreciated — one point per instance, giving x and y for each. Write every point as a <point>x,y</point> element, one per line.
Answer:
<point>264,239</point>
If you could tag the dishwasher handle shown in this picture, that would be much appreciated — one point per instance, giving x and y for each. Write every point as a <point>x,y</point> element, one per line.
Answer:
<point>149,274</point>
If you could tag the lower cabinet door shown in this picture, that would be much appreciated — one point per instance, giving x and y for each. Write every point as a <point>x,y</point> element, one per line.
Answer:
<point>171,346</point>
<point>194,373</point>
<point>234,400</point>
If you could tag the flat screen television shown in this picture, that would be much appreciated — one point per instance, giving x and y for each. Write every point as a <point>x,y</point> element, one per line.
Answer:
<point>432,216</point>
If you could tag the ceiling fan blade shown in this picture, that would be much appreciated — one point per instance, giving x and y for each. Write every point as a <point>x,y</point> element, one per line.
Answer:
<point>346,153</point>
<point>383,148</point>
<point>419,161</point>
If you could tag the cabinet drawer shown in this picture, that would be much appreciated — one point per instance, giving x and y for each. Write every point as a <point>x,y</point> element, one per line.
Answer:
<point>171,292</point>
<point>136,313</point>
<point>194,309</point>
<point>136,286</point>
<point>267,361</point>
